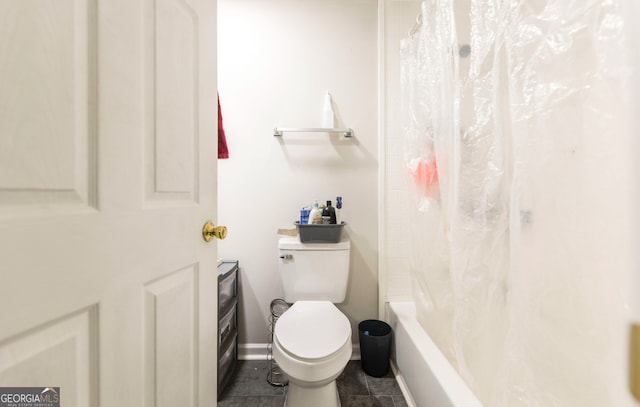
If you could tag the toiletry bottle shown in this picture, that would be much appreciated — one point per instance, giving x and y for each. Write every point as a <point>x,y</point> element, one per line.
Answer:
<point>315,216</point>
<point>329,211</point>
<point>325,213</point>
<point>304,215</point>
<point>338,210</point>
<point>328,117</point>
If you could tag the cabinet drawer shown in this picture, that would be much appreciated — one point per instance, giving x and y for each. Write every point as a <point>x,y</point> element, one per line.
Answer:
<point>227,292</point>
<point>226,361</point>
<point>227,326</point>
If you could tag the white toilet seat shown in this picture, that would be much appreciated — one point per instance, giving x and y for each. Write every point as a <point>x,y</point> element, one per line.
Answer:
<point>312,330</point>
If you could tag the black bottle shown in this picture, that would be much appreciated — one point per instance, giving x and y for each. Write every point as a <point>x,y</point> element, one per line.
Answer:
<point>330,212</point>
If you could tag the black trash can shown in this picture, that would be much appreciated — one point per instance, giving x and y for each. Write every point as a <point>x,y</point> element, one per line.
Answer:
<point>375,347</point>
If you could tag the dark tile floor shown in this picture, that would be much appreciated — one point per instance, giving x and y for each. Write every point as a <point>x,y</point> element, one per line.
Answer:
<point>249,388</point>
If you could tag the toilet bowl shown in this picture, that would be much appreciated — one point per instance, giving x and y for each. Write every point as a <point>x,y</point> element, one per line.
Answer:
<point>312,345</point>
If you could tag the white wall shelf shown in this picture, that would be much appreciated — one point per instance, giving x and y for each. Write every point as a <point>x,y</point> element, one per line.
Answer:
<point>278,131</point>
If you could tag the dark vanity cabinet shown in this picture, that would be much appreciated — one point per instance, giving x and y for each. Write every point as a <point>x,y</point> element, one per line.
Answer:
<point>227,321</point>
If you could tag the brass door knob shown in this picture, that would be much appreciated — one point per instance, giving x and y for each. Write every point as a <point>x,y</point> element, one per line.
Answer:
<point>209,231</point>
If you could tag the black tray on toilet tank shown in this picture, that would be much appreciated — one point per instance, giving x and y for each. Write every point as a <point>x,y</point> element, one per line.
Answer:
<point>320,233</point>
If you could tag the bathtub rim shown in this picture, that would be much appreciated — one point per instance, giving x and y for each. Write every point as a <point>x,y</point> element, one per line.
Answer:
<point>442,380</point>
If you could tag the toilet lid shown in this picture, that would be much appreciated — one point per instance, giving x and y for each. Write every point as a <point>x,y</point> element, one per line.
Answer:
<point>312,329</point>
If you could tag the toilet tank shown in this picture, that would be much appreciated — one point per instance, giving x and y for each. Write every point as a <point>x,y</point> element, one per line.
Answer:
<point>314,271</point>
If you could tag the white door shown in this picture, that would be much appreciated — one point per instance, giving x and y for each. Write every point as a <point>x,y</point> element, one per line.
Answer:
<point>107,175</point>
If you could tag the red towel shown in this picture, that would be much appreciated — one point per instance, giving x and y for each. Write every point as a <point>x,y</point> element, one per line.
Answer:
<point>223,151</point>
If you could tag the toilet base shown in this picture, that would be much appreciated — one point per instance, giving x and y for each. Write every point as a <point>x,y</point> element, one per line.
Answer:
<point>322,396</point>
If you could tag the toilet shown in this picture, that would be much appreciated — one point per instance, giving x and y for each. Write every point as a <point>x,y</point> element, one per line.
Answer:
<point>312,339</point>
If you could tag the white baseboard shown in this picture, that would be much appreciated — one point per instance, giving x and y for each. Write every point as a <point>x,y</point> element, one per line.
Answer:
<point>252,351</point>
<point>258,351</point>
<point>355,353</point>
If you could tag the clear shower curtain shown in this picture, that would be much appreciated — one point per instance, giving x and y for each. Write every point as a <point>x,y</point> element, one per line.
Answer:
<point>518,156</point>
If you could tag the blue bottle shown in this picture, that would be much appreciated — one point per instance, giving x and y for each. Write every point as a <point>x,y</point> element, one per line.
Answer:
<point>304,215</point>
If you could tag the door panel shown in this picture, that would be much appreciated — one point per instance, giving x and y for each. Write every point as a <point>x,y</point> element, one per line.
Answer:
<point>172,73</point>
<point>170,341</point>
<point>47,114</point>
<point>64,349</point>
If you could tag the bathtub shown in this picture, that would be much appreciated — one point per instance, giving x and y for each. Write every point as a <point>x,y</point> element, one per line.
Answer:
<point>426,377</point>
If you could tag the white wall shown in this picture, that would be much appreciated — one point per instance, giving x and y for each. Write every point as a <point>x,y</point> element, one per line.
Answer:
<point>276,60</point>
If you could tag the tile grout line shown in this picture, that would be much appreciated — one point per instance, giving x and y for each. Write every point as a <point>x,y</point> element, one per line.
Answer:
<point>366,381</point>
